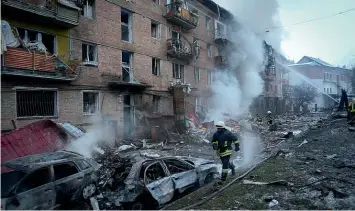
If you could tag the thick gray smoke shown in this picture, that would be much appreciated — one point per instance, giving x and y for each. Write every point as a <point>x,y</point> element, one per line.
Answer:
<point>235,88</point>
<point>98,133</point>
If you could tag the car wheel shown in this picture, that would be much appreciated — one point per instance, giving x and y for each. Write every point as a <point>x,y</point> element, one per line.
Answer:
<point>89,190</point>
<point>208,178</point>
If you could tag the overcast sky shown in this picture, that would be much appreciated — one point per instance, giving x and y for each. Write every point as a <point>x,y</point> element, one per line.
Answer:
<point>330,39</point>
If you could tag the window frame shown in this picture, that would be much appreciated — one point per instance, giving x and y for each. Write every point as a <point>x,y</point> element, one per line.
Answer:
<point>145,171</point>
<point>209,77</point>
<point>56,103</point>
<point>129,66</point>
<point>198,72</point>
<point>180,71</point>
<point>50,174</point>
<point>98,109</point>
<point>158,29</point>
<point>63,178</point>
<point>129,25</point>
<point>55,40</point>
<point>209,50</point>
<point>92,17</point>
<point>208,21</point>
<point>95,62</point>
<point>157,61</point>
<point>198,104</point>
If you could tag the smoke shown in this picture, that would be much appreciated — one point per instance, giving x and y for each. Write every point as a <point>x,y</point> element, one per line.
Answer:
<point>97,134</point>
<point>235,88</point>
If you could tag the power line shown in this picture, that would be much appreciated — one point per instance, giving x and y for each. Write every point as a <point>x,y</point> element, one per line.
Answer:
<point>311,20</point>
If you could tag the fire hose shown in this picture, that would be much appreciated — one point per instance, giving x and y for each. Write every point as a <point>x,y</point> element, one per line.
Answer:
<point>226,186</point>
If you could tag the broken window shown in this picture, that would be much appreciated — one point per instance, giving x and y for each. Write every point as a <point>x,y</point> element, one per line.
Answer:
<point>208,23</point>
<point>175,35</point>
<point>39,103</point>
<point>90,102</point>
<point>155,28</point>
<point>38,178</point>
<point>48,40</point>
<point>153,173</point>
<point>89,54</point>
<point>64,170</point>
<point>82,164</point>
<point>156,103</point>
<point>127,100</point>
<point>209,50</point>
<point>178,71</point>
<point>127,75</point>
<point>126,34</point>
<point>197,74</point>
<point>198,104</point>
<point>155,66</point>
<point>209,77</point>
<point>176,166</point>
<point>87,10</point>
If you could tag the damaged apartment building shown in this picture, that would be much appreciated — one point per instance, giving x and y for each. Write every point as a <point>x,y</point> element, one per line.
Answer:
<point>275,83</point>
<point>134,62</point>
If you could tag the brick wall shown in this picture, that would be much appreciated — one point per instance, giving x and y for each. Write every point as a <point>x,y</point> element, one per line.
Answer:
<point>105,31</point>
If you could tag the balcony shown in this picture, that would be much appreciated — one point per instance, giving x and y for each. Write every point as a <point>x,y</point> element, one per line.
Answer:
<point>24,63</point>
<point>125,83</point>
<point>220,34</point>
<point>61,12</point>
<point>177,15</point>
<point>220,61</point>
<point>179,49</point>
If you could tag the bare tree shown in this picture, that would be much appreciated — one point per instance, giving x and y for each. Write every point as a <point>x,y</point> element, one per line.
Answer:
<point>303,94</point>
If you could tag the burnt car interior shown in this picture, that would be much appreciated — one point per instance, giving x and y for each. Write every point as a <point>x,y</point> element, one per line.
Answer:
<point>153,172</point>
<point>64,170</point>
<point>35,179</point>
<point>176,166</point>
<point>8,180</point>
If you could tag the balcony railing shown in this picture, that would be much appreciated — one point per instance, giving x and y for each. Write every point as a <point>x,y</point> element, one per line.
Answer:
<point>220,61</point>
<point>185,18</point>
<point>179,49</point>
<point>25,63</point>
<point>63,12</point>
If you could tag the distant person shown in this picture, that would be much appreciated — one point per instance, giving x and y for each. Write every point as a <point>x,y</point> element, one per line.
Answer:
<point>269,118</point>
<point>258,119</point>
<point>222,142</point>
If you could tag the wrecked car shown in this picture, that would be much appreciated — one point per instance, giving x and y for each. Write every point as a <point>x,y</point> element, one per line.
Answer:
<point>48,180</point>
<point>152,183</point>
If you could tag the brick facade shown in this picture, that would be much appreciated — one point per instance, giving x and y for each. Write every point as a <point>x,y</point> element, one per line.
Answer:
<point>104,30</point>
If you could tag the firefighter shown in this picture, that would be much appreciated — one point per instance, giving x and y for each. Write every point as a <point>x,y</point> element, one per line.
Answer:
<point>269,117</point>
<point>222,142</point>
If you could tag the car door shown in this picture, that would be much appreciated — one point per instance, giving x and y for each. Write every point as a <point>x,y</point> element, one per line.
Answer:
<point>182,173</point>
<point>68,181</point>
<point>158,183</point>
<point>35,191</point>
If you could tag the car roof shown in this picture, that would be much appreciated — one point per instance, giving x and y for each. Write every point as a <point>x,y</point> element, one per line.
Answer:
<point>38,160</point>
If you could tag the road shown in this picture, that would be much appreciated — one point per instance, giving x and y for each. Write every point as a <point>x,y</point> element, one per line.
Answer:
<point>320,174</point>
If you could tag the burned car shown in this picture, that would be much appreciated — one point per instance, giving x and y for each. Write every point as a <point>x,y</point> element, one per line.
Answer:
<point>48,180</point>
<point>152,183</point>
